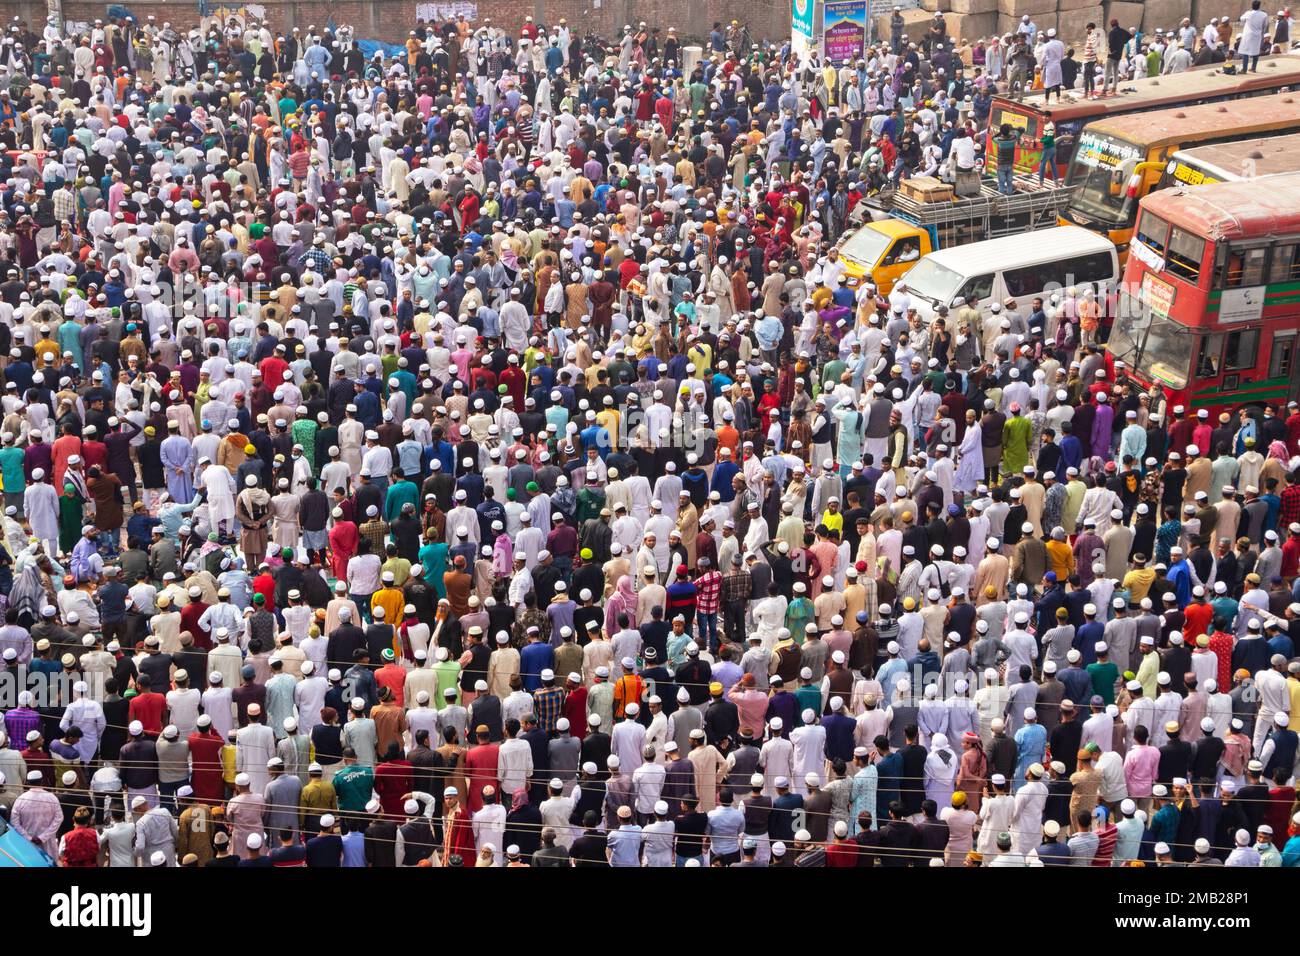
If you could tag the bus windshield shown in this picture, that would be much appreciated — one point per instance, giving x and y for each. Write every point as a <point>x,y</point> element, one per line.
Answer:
<point>933,282</point>
<point>1158,349</point>
<point>1101,169</point>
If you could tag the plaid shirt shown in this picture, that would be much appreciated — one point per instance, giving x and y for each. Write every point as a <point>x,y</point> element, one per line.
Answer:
<point>319,259</point>
<point>737,586</point>
<point>1290,506</point>
<point>375,532</point>
<point>548,705</point>
<point>708,591</point>
<point>65,206</point>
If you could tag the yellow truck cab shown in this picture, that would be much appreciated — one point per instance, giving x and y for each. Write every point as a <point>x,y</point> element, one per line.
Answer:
<point>884,251</point>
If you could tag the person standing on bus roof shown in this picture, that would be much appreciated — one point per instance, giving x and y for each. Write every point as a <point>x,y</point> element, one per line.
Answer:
<point>1116,38</point>
<point>1282,30</point>
<point>1254,23</point>
<point>1092,50</point>
<point>1178,58</point>
<point>1053,54</point>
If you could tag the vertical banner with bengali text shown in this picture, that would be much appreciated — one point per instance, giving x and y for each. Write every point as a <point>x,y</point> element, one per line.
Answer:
<point>845,33</point>
<point>801,18</point>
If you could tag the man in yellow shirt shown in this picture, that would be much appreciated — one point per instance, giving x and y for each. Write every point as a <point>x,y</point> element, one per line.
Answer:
<point>317,798</point>
<point>1138,580</point>
<point>609,418</point>
<point>832,517</point>
<point>1060,558</point>
<point>390,598</point>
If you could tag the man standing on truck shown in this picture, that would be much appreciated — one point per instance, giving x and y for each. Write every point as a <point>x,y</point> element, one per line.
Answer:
<point>1048,143</point>
<point>1004,145</point>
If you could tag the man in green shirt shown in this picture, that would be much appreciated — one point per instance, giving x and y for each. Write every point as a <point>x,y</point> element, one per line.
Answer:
<point>1104,674</point>
<point>354,784</point>
<point>11,472</point>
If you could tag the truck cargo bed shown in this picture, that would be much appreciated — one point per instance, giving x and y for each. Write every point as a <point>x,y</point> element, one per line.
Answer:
<point>974,218</point>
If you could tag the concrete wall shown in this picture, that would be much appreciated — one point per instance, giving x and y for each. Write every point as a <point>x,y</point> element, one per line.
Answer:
<point>391,19</point>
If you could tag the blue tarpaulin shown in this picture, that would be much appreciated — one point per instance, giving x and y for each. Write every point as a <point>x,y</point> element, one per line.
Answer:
<point>368,47</point>
<point>119,12</point>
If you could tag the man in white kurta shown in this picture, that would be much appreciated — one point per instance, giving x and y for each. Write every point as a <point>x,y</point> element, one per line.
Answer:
<point>219,486</point>
<point>254,746</point>
<point>41,506</point>
<point>809,750</point>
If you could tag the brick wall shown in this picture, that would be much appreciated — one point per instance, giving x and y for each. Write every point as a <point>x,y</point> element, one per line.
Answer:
<point>390,19</point>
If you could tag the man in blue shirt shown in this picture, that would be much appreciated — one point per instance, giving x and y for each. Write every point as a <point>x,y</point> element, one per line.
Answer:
<point>624,846</point>
<point>1052,852</point>
<point>726,823</point>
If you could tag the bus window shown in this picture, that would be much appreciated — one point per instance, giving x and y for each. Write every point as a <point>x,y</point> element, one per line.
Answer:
<point>976,290</point>
<point>1186,250</point>
<point>1244,268</point>
<point>1284,264</point>
<point>1153,231</point>
<point>1282,359</point>
<point>1240,350</point>
<point>1207,357</point>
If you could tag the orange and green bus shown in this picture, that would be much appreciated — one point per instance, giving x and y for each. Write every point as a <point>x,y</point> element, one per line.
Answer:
<point>1120,159</point>
<point>1028,115</point>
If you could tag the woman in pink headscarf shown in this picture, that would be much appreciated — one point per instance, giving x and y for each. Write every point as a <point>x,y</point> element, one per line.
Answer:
<point>622,601</point>
<point>1275,465</point>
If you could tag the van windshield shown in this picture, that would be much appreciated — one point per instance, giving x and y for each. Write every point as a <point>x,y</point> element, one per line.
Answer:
<point>934,282</point>
<point>865,246</point>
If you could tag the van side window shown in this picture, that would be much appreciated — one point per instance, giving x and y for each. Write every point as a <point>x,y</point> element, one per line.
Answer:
<point>1027,280</point>
<point>977,289</point>
<point>1094,268</point>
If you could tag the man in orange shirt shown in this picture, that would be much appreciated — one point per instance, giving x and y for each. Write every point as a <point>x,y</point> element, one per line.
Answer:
<point>628,688</point>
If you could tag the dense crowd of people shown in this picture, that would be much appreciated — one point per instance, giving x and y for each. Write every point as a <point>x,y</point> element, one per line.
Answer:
<point>478,456</point>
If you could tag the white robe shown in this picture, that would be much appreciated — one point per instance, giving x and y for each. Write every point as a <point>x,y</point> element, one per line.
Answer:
<point>41,505</point>
<point>254,746</point>
<point>219,485</point>
<point>809,754</point>
<point>1027,819</point>
<point>351,433</point>
<point>970,466</point>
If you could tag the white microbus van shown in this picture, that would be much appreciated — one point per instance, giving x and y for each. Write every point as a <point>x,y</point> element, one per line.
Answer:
<point>1019,267</point>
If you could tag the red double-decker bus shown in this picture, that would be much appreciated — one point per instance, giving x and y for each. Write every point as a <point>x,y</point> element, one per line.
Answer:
<point>1209,309</point>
